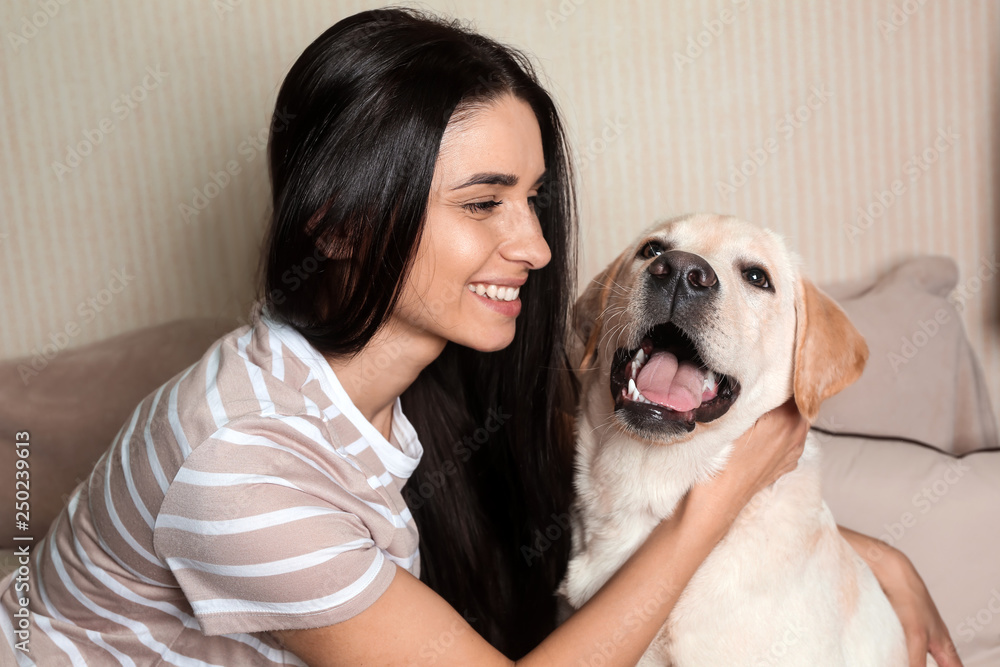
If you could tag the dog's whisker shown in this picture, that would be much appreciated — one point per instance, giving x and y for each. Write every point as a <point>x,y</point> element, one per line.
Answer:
<point>606,422</point>
<point>612,311</point>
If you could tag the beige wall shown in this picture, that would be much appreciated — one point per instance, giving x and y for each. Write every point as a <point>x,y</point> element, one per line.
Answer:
<point>170,92</point>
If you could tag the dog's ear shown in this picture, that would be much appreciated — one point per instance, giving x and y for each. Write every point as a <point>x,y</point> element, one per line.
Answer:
<point>830,353</point>
<point>588,313</point>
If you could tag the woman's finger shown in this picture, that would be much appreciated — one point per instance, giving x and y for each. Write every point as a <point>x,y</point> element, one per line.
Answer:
<point>943,650</point>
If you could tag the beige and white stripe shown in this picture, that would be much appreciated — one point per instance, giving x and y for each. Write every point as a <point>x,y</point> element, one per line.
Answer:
<point>246,494</point>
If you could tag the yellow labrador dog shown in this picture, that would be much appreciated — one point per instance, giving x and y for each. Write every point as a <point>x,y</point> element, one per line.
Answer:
<point>701,326</point>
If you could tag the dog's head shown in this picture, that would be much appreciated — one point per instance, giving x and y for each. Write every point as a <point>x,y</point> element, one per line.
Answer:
<point>706,319</point>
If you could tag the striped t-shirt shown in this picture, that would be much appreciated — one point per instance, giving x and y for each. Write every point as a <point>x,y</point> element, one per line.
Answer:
<point>246,494</point>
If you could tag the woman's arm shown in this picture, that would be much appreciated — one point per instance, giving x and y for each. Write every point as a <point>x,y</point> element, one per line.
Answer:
<point>410,624</point>
<point>924,628</point>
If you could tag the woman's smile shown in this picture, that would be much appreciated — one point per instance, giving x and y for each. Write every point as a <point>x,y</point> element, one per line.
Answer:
<point>500,298</point>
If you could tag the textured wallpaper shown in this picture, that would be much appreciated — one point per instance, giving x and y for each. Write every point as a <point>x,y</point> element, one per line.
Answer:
<point>132,168</point>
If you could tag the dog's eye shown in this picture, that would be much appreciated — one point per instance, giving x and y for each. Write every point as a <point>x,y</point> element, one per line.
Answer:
<point>651,250</point>
<point>756,276</point>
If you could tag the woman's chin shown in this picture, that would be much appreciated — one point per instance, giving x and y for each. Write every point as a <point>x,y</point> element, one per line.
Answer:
<point>492,340</point>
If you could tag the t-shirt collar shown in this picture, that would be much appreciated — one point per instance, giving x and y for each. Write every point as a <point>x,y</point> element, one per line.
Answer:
<point>401,461</point>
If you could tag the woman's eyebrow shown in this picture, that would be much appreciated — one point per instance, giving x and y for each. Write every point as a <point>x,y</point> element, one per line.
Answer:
<point>494,178</point>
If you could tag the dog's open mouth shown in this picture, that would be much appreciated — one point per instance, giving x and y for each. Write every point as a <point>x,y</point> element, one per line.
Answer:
<point>664,380</point>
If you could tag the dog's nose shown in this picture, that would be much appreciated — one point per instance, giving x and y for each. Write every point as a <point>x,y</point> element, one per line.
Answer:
<point>683,271</point>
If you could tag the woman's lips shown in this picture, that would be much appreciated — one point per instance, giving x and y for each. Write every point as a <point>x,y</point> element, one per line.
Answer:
<point>508,308</point>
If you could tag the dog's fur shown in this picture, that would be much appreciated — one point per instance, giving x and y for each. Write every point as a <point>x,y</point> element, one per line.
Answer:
<point>783,587</point>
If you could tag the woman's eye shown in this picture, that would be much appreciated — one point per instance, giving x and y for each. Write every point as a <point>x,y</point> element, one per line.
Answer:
<point>757,276</point>
<point>481,206</point>
<point>651,249</point>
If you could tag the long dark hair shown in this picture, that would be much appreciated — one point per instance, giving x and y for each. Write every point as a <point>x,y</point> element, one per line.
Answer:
<point>353,145</point>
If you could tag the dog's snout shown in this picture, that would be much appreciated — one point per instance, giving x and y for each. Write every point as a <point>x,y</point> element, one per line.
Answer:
<point>684,272</point>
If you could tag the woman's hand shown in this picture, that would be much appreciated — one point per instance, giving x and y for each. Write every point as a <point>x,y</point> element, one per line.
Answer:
<point>765,452</point>
<point>925,630</point>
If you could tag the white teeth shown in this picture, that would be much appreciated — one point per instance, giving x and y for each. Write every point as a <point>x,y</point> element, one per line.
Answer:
<point>637,362</point>
<point>709,384</point>
<point>495,292</point>
<point>632,392</point>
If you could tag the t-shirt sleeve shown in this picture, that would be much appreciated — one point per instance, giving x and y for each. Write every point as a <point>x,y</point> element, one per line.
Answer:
<point>267,527</point>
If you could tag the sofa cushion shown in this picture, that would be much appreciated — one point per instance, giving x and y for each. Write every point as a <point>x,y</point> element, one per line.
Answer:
<point>923,381</point>
<point>938,509</point>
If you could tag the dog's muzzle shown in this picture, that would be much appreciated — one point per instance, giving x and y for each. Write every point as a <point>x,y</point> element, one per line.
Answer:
<point>663,386</point>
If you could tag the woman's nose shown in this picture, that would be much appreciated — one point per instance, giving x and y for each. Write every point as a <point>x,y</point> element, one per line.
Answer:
<point>525,242</point>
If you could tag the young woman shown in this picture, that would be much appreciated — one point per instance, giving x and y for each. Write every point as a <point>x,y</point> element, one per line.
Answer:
<point>416,283</point>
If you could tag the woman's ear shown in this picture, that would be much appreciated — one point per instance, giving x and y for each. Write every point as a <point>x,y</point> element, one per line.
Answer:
<point>588,314</point>
<point>830,353</point>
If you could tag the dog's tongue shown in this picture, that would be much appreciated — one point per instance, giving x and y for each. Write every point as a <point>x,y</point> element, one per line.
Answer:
<point>664,381</point>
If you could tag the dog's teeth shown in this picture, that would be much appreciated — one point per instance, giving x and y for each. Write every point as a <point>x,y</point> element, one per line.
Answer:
<point>633,391</point>
<point>633,367</point>
<point>709,384</point>
<point>640,357</point>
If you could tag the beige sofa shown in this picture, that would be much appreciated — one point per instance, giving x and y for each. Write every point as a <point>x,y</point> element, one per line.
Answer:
<point>910,451</point>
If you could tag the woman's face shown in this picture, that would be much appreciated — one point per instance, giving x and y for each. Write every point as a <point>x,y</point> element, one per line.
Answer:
<point>481,237</point>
